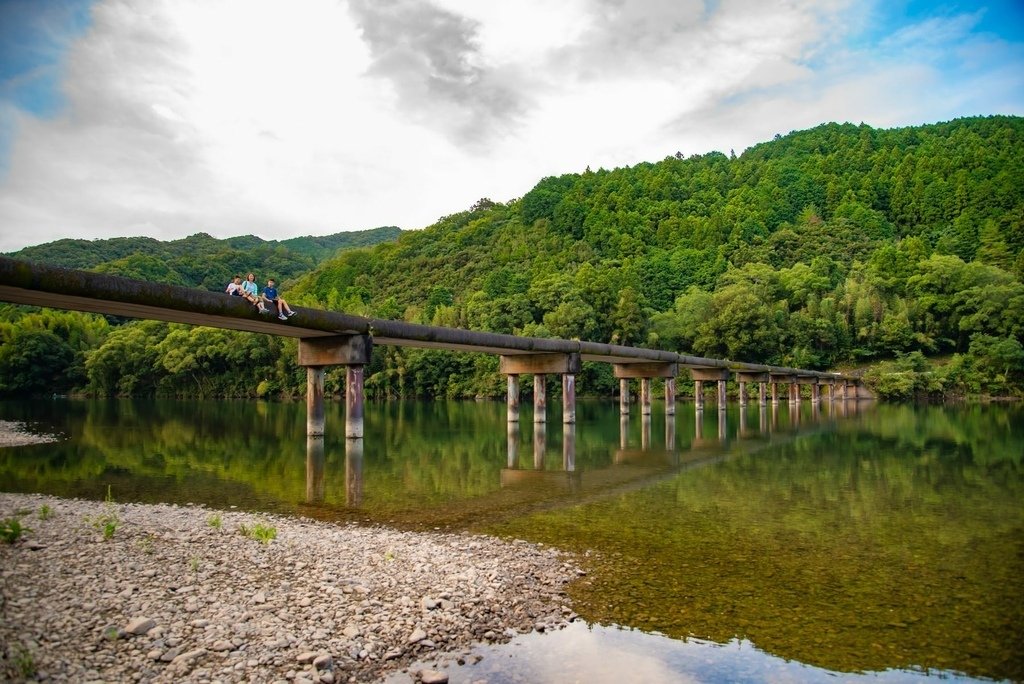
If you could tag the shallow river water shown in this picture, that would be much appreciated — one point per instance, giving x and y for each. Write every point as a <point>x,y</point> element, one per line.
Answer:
<point>846,542</point>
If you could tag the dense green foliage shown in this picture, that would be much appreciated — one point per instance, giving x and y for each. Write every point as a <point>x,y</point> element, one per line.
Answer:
<point>201,260</point>
<point>838,246</point>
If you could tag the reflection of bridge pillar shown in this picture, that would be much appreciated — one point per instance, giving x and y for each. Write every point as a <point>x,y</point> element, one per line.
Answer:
<point>670,435</point>
<point>351,351</point>
<point>569,448</point>
<point>645,432</point>
<point>513,444</point>
<point>569,399</point>
<point>815,409</point>
<point>512,413</point>
<point>540,398</point>
<point>762,419</point>
<point>670,396</point>
<point>722,427</point>
<point>624,396</point>
<point>623,431</point>
<point>315,469</point>
<point>540,443</point>
<point>315,401</point>
<point>793,389</point>
<point>353,472</point>
<point>743,421</point>
<point>698,424</point>
<point>645,396</point>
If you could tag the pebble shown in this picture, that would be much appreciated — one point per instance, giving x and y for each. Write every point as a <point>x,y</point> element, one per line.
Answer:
<point>314,605</point>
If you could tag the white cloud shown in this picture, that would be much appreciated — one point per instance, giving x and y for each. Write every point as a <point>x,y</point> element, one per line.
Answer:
<point>280,119</point>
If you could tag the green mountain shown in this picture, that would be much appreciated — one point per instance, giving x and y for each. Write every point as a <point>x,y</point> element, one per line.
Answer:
<point>841,245</point>
<point>201,260</point>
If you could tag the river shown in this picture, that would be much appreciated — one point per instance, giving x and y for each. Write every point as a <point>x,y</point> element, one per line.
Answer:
<point>844,542</point>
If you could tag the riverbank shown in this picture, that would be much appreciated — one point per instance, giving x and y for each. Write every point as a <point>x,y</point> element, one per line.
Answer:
<point>184,594</point>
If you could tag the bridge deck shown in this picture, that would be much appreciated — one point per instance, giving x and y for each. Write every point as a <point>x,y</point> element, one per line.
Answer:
<point>49,286</point>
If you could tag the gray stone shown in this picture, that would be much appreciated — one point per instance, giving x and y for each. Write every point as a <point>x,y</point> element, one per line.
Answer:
<point>417,635</point>
<point>323,662</point>
<point>305,657</point>
<point>433,677</point>
<point>222,645</point>
<point>140,625</point>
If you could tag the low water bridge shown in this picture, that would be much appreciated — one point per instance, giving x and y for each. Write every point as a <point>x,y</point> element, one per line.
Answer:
<point>328,338</point>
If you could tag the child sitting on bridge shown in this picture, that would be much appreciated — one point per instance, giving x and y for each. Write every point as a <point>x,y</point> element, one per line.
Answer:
<point>252,293</point>
<point>270,296</point>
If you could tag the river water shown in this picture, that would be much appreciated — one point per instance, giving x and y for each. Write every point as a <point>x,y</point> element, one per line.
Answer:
<point>846,542</point>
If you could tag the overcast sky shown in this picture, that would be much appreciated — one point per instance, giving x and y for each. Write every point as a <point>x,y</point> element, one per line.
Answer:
<point>294,117</point>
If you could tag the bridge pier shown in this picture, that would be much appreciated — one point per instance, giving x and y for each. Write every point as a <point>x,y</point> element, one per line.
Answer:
<point>315,354</point>
<point>698,394</point>
<point>540,365</point>
<point>702,375</point>
<point>744,378</point>
<point>646,371</point>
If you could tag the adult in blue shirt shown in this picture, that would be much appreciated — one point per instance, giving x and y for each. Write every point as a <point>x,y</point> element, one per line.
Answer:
<point>284,312</point>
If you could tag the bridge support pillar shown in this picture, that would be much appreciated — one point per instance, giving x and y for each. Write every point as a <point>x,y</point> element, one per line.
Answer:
<point>670,396</point>
<point>815,394</point>
<point>569,399</point>
<point>775,394</point>
<point>540,398</point>
<point>762,393</point>
<point>702,375</point>
<point>698,394</point>
<point>541,365</point>
<point>745,378</point>
<point>316,353</point>
<point>512,411</point>
<point>645,370</point>
<point>831,392</point>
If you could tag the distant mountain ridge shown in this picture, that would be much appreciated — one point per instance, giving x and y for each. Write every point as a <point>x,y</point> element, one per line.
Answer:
<point>202,260</point>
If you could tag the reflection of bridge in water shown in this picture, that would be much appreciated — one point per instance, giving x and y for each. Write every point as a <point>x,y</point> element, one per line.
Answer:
<point>538,486</point>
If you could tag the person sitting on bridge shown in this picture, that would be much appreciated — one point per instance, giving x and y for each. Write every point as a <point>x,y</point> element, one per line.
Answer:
<point>270,296</point>
<point>252,292</point>
<point>235,287</point>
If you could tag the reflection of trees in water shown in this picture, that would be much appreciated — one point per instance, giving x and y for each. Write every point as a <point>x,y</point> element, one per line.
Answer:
<point>894,540</point>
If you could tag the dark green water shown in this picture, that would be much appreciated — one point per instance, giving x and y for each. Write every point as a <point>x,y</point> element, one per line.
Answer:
<point>784,545</point>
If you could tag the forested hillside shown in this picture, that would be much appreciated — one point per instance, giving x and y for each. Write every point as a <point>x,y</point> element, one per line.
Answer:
<point>838,246</point>
<point>201,260</point>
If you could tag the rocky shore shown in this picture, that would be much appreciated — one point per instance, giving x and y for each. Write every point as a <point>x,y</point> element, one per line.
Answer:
<point>104,591</point>
<point>15,434</point>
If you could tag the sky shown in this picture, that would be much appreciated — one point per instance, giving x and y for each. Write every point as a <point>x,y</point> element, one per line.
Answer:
<point>281,118</point>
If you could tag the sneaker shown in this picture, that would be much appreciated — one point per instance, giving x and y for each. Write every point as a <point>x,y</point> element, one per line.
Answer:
<point>290,314</point>
<point>264,310</point>
<point>283,317</point>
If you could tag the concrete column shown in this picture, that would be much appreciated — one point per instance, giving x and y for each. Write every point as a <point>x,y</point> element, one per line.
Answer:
<point>540,398</point>
<point>513,399</point>
<point>624,396</point>
<point>743,393</point>
<point>315,401</point>
<point>698,394</point>
<point>569,399</point>
<point>762,393</point>
<point>722,395</point>
<point>670,396</point>
<point>775,394</point>
<point>815,394</point>
<point>831,392</point>
<point>645,396</point>
<point>796,393</point>
<point>354,402</point>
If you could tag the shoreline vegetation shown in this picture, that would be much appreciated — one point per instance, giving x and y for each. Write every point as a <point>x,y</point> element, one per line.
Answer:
<point>109,591</point>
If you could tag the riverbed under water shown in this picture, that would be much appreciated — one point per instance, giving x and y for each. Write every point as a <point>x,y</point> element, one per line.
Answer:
<point>851,541</point>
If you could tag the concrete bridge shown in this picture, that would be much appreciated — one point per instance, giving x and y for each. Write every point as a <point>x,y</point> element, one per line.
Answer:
<point>328,338</point>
